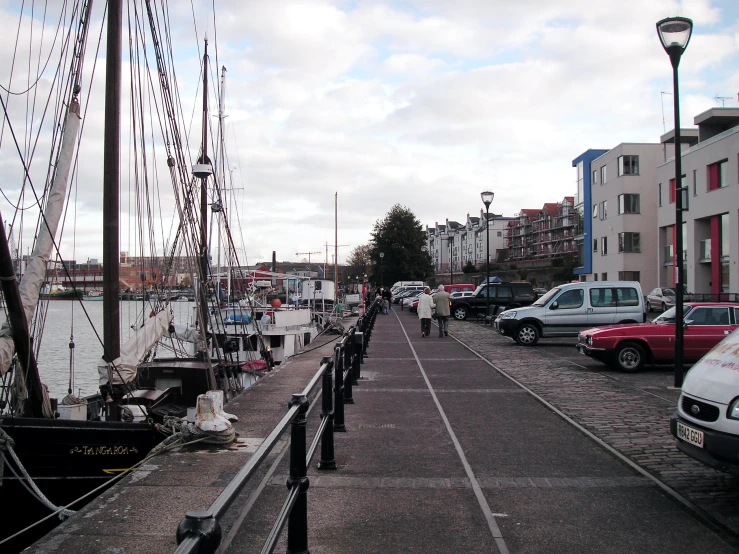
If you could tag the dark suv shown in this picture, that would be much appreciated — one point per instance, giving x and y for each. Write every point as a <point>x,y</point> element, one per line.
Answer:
<point>502,296</point>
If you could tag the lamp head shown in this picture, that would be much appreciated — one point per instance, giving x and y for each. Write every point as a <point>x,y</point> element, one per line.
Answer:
<point>487,198</point>
<point>675,32</point>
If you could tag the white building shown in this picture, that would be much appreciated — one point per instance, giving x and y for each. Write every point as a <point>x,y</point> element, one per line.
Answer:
<point>710,179</point>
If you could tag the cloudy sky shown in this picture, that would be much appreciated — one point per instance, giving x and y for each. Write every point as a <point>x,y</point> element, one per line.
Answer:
<point>424,103</point>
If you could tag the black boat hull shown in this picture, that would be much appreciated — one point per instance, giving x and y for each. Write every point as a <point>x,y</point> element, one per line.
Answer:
<point>66,459</point>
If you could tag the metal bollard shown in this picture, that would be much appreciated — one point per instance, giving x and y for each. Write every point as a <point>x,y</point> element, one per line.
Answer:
<point>338,393</point>
<point>297,524</point>
<point>328,459</point>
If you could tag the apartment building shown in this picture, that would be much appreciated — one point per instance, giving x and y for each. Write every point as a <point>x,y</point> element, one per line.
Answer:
<point>583,213</point>
<point>710,217</point>
<point>453,244</point>
<point>542,233</point>
<point>622,211</point>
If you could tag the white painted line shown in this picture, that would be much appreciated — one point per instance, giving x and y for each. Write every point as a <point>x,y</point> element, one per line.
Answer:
<point>481,500</point>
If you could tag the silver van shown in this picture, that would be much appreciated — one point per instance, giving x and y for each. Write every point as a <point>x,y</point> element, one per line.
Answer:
<point>567,309</point>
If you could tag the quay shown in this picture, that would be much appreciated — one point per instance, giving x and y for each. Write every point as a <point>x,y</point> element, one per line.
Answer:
<point>466,443</point>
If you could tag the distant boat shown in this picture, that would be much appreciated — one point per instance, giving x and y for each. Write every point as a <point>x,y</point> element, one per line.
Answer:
<point>57,291</point>
<point>93,294</point>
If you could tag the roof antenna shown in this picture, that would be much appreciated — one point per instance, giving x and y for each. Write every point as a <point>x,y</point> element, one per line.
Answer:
<point>723,99</point>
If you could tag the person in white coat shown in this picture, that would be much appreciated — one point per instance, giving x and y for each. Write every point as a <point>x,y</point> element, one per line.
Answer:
<point>426,307</point>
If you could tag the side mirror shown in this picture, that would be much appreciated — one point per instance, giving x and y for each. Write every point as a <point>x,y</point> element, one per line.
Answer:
<point>554,305</point>
<point>688,322</point>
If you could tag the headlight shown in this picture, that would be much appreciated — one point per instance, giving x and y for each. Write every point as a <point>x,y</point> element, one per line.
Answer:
<point>509,314</point>
<point>589,340</point>
<point>733,412</point>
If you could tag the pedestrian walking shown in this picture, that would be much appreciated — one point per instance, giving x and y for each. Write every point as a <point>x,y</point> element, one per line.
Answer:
<point>425,309</point>
<point>387,296</point>
<point>442,299</point>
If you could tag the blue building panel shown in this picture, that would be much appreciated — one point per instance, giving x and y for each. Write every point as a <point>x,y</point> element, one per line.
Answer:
<point>587,158</point>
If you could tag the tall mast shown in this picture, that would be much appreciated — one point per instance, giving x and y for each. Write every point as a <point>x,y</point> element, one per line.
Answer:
<point>204,203</point>
<point>111,182</point>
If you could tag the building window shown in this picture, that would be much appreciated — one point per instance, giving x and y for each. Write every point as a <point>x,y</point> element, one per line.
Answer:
<point>603,175</point>
<point>628,203</point>
<point>628,165</point>
<point>672,191</point>
<point>595,211</point>
<point>629,242</point>
<point>695,182</point>
<point>659,195</point>
<point>604,276</point>
<point>628,275</point>
<point>595,177</point>
<point>603,246</point>
<point>717,175</point>
<point>595,245</point>
<point>595,276</point>
<point>604,210</point>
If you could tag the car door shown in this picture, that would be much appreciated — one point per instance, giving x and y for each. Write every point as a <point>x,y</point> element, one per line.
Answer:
<point>602,308</point>
<point>709,326</point>
<point>566,313</point>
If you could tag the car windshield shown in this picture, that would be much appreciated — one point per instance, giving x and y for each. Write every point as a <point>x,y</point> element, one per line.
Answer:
<point>544,299</point>
<point>669,315</point>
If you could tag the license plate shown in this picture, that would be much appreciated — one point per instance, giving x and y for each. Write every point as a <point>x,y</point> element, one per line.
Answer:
<point>688,434</point>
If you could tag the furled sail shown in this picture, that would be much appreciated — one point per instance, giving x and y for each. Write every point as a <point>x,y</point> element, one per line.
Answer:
<point>35,273</point>
<point>134,350</point>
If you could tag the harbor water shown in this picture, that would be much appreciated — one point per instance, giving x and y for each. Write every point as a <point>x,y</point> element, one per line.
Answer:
<point>67,319</point>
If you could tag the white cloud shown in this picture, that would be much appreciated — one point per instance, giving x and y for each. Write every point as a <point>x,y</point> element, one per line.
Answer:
<point>422,103</point>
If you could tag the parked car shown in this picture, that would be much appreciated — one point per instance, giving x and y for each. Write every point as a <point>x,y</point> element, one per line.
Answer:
<point>629,347</point>
<point>706,422</point>
<point>460,287</point>
<point>406,301</point>
<point>413,308</point>
<point>663,298</point>
<point>568,309</point>
<point>405,293</point>
<point>505,295</point>
<point>461,294</point>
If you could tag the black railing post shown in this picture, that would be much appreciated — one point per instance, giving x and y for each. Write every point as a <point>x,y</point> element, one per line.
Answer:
<point>201,524</point>
<point>358,359</point>
<point>328,459</point>
<point>351,348</point>
<point>338,393</point>
<point>297,524</point>
<point>346,375</point>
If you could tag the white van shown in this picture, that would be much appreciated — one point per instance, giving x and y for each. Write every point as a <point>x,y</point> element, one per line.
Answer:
<point>706,422</point>
<point>567,309</point>
<point>399,284</point>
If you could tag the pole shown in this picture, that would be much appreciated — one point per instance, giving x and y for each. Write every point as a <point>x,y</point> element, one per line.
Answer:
<point>111,182</point>
<point>204,204</point>
<point>451,262</point>
<point>679,329</point>
<point>487,261</point>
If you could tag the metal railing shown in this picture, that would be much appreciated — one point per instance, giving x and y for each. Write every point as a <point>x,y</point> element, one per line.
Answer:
<point>200,531</point>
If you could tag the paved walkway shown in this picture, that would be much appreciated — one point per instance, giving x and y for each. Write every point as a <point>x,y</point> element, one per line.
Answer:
<point>444,452</point>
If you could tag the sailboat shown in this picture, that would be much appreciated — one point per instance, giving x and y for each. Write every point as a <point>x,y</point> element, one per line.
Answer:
<point>65,449</point>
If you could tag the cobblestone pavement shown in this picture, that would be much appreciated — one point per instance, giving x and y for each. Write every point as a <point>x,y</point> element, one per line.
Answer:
<point>630,414</point>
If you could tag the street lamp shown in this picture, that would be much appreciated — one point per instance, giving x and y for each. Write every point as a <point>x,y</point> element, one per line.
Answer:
<point>487,199</point>
<point>674,32</point>
<point>382,255</point>
<point>450,240</point>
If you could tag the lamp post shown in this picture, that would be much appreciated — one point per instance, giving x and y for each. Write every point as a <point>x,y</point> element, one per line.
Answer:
<point>487,199</point>
<point>674,32</point>
<point>382,255</point>
<point>450,240</point>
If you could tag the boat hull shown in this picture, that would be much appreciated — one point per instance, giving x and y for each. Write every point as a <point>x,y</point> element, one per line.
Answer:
<point>66,460</point>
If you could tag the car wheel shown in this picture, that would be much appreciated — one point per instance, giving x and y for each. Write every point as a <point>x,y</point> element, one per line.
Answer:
<point>527,334</point>
<point>630,357</point>
<point>461,313</point>
<point>649,307</point>
<point>664,307</point>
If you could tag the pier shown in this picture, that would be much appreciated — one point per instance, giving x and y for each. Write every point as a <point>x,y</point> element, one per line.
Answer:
<point>466,443</point>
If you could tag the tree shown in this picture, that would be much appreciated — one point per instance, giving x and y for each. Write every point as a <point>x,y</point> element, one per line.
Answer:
<point>469,267</point>
<point>359,261</point>
<point>400,237</point>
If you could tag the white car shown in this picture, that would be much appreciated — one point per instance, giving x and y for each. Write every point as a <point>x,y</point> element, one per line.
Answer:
<point>462,293</point>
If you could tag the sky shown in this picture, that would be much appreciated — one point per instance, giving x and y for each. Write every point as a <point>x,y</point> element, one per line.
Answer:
<point>423,103</point>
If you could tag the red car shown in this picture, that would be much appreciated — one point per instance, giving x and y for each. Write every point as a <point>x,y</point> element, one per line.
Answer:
<point>629,347</point>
